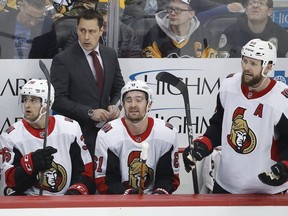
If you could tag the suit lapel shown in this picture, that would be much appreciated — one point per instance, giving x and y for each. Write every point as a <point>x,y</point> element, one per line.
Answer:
<point>106,62</point>
<point>84,67</point>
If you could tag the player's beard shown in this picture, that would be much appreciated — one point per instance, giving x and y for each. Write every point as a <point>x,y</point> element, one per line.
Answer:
<point>252,80</point>
<point>135,117</point>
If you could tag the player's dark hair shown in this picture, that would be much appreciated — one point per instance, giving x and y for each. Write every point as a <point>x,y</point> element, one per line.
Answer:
<point>90,15</point>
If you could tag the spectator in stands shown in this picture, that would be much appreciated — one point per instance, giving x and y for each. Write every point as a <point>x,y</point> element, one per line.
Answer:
<point>204,9</point>
<point>72,7</point>
<point>65,162</point>
<point>207,9</point>
<point>27,33</point>
<point>128,45</point>
<point>75,7</point>
<point>255,23</point>
<point>7,5</point>
<point>120,144</point>
<point>178,34</point>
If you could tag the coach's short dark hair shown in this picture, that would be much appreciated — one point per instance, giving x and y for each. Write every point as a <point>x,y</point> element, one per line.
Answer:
<point>89,15</point>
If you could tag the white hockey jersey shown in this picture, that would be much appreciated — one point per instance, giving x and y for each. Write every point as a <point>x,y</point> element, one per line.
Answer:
<point>254,135</point>
<point>117,157</point>
<point>72,156</point>
<point>2,176</point>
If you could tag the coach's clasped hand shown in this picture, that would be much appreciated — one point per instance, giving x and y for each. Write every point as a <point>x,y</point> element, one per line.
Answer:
<point>277,176</point>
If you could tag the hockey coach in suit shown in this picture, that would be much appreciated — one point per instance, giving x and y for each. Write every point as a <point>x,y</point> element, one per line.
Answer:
<point>76,82</point>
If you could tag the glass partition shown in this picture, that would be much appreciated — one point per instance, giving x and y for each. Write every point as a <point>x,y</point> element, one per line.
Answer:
<point>151,28</point>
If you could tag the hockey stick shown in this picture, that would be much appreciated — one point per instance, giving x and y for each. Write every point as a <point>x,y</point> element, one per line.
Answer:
<point>47,75</point>
<point>143,158</point>
<point>182,87</point>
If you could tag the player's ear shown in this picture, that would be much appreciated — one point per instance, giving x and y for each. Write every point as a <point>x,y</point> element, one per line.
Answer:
<point>267,69</point>
<point>44,109</point>
<point>149,106</point>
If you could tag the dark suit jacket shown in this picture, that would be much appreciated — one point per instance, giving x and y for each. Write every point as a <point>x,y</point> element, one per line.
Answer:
<point>76,89</point>
<point>44,44</point>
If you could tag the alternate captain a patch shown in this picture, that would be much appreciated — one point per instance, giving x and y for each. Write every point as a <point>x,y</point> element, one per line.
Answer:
<point>285,93</point>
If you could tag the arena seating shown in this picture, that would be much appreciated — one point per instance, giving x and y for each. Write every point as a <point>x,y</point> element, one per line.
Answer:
<point>142,26</point>
<point>216,25</point>
<point>63,27</point>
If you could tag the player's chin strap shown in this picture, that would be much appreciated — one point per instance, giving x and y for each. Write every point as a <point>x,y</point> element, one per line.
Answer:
<point>39,116</point>
<point>137,124</point>
<point>263,75</point>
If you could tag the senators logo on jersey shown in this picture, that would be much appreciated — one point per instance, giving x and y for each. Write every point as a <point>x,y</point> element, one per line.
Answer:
<point>55,178</point>
<point>242,139</point>
<point>134,165</point>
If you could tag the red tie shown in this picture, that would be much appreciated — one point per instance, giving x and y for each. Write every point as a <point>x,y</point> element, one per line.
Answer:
<point>99,71</point>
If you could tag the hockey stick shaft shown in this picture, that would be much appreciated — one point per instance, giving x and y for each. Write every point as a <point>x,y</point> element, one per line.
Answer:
<point>182,87</point>
<point>143,159</point>
<point>47,75</point>
<point>142,178</point>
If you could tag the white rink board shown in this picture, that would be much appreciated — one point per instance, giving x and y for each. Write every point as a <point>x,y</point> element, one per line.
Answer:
<point>203,77</point>
<point>144,211</point>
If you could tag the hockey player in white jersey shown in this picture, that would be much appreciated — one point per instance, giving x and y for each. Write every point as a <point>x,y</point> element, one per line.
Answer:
<point>65,163</point>
<point>120,142</point>
<point>250,123</point>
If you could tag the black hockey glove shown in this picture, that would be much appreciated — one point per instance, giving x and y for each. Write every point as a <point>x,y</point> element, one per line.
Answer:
<point>278,176</point>
<point>202,148</point>
<point>42,159</point>
<point>131,191</point>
